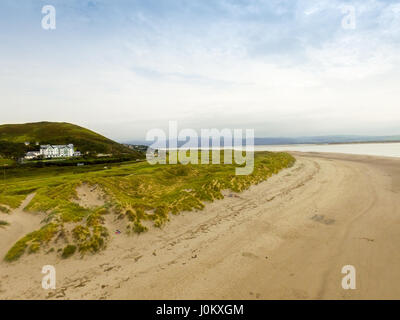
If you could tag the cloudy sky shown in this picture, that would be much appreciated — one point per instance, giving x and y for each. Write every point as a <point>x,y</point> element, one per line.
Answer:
<point>284,68</point>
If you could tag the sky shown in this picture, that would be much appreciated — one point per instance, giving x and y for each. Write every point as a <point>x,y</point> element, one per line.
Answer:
<point>283,68</point>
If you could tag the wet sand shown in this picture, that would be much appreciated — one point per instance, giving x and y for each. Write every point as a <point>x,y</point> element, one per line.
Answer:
<point>286,238</point>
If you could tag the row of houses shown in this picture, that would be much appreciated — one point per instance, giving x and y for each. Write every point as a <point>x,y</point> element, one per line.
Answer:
<point>54,151</point>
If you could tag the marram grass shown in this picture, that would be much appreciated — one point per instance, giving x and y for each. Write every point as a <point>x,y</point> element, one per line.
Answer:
<point>139,194</point>
<point>3,223</point>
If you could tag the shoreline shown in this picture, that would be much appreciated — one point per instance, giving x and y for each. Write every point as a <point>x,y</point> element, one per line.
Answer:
<point>387,149</point>
<point>286,238</point>
<point>329,143</point>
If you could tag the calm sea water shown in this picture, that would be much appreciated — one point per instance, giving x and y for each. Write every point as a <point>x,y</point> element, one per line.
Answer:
<point>372,149</point>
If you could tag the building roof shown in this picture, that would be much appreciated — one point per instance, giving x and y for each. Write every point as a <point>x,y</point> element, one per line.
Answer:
<point>46,146</point>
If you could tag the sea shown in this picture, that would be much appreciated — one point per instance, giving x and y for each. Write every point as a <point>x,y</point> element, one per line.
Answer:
<point>372,149</point>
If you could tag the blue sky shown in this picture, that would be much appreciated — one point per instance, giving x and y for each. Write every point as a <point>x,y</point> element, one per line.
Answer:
<point>284,68</point>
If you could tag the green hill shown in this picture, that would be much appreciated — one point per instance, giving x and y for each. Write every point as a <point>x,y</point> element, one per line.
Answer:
<point>13,137</point>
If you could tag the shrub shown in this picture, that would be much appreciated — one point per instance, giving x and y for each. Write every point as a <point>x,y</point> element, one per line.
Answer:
<point>34,247</point>
<point>68,251</point>
<point>4,209</point>
<point>3,223</point>
<point>138,227</point>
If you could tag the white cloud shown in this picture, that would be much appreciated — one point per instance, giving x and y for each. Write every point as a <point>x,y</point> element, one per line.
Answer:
<point>280,74</point>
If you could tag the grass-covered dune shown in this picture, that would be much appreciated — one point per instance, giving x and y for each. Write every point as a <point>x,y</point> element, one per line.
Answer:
<point>13,137</point>
<point>139,195</point>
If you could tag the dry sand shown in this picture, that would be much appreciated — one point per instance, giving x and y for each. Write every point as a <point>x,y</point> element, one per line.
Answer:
<point>286,238</point>
<point>89,196</point>
<point>20,223</point>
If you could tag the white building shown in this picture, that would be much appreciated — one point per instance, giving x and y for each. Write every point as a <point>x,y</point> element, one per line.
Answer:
<point>57,151</point>
<point>54,151</point>
<point>32,154</point>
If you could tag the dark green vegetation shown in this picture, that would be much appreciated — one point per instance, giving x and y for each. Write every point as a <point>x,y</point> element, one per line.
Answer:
<point>85,160</point>
<point>12,150</point>
<point>68,251</point>
<point>4,209</point>
<point>6,162</point>
<point>136,193</point>
<point>13,137</point>
<point>3,223</point>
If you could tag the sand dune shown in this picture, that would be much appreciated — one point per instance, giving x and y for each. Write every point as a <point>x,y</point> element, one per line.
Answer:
<point>286,238</point>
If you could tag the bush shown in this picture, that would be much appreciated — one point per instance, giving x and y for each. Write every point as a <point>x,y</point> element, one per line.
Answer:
<point>4,209</point>
<point>68,251</point>
<point>34,247</point>
<point>138,227</point>
<point>3,223</point>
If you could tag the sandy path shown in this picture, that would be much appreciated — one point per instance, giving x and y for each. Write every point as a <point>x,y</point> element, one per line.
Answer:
<point>21,223</point>
<point>286,238</point>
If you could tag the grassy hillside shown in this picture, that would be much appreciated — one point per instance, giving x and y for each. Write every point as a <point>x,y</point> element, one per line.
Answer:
<point>136,194</point>
<point>13,137</point>
<point>6,162</point>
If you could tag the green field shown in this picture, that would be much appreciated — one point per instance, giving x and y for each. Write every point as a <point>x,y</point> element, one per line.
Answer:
<point>137,193</point>
<point>6,162</point>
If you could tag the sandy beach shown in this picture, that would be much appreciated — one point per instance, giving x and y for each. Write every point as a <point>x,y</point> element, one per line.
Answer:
<point>286,238</point>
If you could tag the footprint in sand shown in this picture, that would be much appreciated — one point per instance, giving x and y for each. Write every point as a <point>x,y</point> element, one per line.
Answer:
<point>249,255</point>
<point>321,219</point>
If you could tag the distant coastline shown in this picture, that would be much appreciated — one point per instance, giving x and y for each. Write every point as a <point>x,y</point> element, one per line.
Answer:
<point>365,142</point>
<point>312,140</point>
<point>329,143</point>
